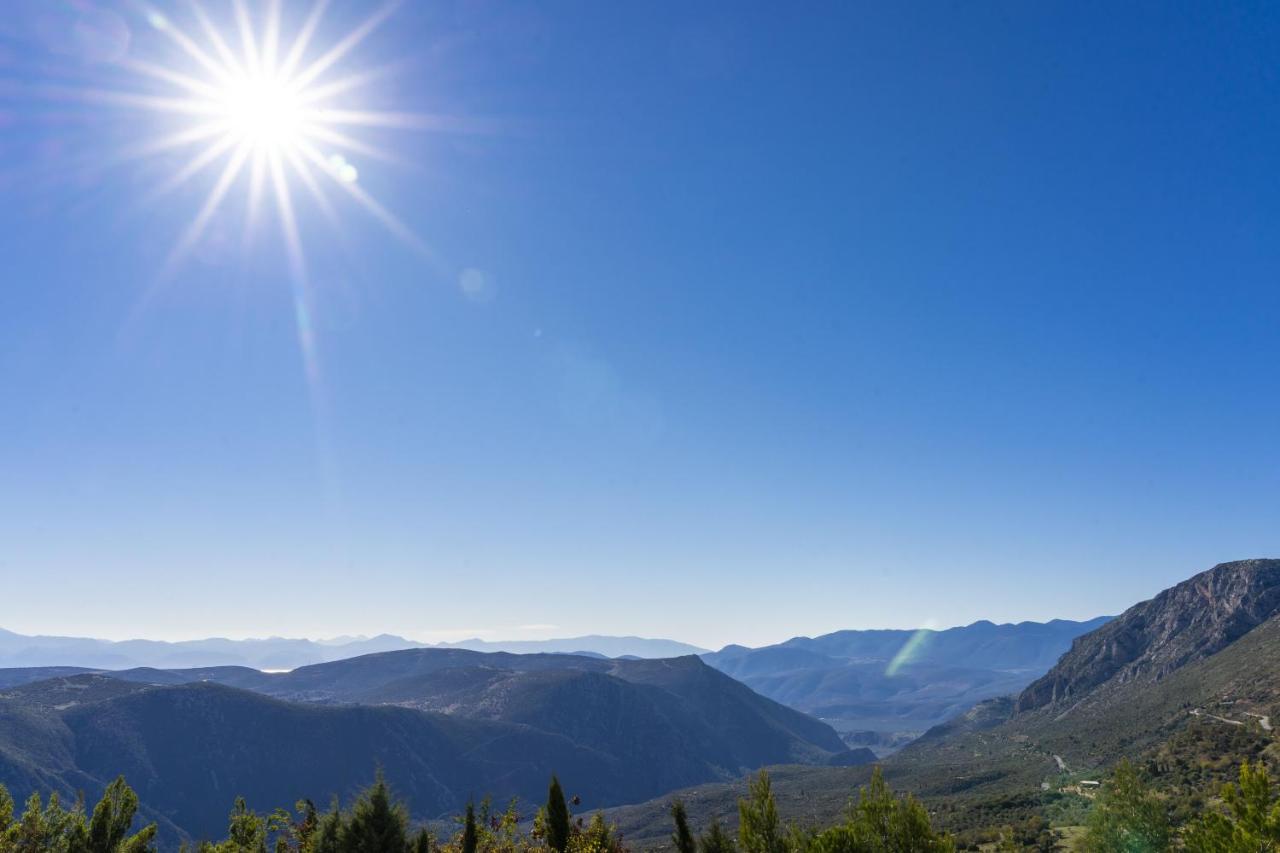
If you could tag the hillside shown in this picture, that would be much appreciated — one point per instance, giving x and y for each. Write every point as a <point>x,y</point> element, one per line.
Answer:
<point>443,724</point>
<point>884,687</point>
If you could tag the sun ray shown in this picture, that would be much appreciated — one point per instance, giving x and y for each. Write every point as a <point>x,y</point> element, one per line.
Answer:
<point>394,119</point>
<point>114,97</point>
<point>248,38</point>
<point>346,45</point>
<point>288,223</point>
<point>232,64</point>
<point>177,139</point>
<point>159,72</point>
<point>193,167</point>
<point>271,37</point>
<point>314,94</point>
<point>196,229</point>
<point>303,39</point>
<point>189,46</point>
<point>350,143</point>
<point>257,178</point>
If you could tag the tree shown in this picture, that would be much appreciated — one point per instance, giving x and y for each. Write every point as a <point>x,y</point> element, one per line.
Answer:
<point>880,822</point>
<point>597,837</point>
<point>716,840</point>
<point>377,824</point>
<point>470,838</point>
<point>1253,821</point>
<point>6,811</point>
<point>327,837</point>
<point>682,839</point>
<point>1127,817</point>
<point>246,831</point>
<point>108,829</point>
<point>759,830</point>
<point>423,842</point>
<point>557,817</point>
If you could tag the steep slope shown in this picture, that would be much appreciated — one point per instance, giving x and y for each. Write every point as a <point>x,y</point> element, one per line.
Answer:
<point>1187,622</point>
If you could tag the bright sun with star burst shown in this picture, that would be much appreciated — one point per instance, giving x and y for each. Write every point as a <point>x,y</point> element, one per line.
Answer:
<point>257,107</point>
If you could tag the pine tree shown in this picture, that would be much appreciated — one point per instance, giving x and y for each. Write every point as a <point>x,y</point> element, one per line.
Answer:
<point>557,818</point>
<point>377,824</point>
<point>112,818</point>
<point>682,839</point>
<point>759,830</point>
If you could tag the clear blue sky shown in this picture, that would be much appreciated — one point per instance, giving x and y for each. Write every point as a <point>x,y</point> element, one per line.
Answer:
<point>737,321</point>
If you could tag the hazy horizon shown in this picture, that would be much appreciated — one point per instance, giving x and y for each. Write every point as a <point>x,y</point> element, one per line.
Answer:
<point>522,634</point>
<point>722,323</point>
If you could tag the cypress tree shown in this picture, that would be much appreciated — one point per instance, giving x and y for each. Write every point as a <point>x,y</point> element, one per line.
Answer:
<point>557,818</point>
<point>682,838</point>
<point>470,837</point>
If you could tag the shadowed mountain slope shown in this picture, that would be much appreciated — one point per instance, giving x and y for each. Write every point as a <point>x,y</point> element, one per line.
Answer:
<point>445,724</point>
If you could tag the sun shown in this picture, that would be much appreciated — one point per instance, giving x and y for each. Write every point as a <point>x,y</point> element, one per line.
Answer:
<point>263,104</point>
<point>263,112</point>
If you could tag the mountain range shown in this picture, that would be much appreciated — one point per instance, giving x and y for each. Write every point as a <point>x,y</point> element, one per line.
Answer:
<point>281,653</point>
<point>445,725</point>
<point>884,688</point>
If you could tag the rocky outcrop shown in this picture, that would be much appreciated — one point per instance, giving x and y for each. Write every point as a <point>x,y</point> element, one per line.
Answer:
<point>1190,621</point>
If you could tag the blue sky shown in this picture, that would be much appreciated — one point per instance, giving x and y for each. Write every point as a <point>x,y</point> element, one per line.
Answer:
<point>730,322</point>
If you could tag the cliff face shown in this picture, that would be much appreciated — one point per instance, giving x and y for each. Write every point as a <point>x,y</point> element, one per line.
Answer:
<point>1192,620</point>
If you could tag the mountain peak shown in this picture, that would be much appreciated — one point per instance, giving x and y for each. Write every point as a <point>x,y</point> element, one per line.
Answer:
<point>1192,620</point>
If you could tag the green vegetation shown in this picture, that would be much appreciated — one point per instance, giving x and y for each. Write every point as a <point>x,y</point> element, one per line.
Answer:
<point>1251,822</point>
<point>51,827</point>
<point>557,818</point>
<point>1129,815</point>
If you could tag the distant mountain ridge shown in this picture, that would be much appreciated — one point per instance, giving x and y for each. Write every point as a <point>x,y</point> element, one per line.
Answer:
<point>873,685</point>
<point>18,650</point>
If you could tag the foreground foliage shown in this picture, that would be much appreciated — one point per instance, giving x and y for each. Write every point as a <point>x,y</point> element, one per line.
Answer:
<point>52,827</point>
<point>1128,817</point>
